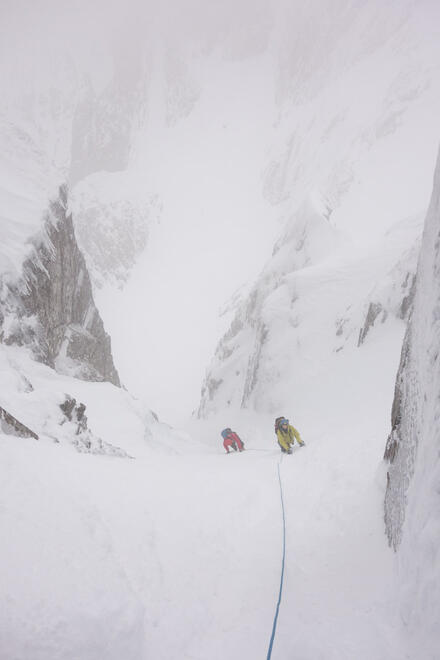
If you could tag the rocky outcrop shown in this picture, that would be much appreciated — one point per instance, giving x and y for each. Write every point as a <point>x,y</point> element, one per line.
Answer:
<point>400,449</point>
<point>394,297</point>
<point>391,297</point>
<point>11,426</point>
<point>412,449</point>
<point>76,431</point>
<point>75,413</point>
<point>374,310</point>
<point>51,309</point>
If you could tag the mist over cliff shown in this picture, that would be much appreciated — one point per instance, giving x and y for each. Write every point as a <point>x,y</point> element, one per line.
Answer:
<point>217,211</point>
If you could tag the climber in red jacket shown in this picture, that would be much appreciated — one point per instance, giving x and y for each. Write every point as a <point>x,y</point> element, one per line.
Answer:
<point>231,440</point>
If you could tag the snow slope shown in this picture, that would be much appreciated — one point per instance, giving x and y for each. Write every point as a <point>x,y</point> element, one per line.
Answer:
<point>176,552</point>
<point>179,556</point>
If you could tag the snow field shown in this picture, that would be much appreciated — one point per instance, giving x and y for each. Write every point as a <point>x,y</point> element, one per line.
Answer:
<point>339,571</point>
<point>176,553</point>
<point>339,592</point>
<point>180,556</point>
<point>137,559</point>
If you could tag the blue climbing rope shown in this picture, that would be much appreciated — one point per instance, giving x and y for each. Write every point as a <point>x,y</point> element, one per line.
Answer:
<point>275,621</point>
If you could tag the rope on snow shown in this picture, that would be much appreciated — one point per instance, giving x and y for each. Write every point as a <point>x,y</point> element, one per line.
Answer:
<point>275,621</point>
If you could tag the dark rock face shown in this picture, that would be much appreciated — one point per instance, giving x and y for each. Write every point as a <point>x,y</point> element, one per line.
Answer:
<point>11,426</point>
<point>53,305</point>
<point>408,298</point>
<point>374,310</point>
<point>75,413</point>
<point>401,447</point>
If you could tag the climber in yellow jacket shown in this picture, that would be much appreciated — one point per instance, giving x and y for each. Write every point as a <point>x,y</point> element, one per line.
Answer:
<point>286,435</point>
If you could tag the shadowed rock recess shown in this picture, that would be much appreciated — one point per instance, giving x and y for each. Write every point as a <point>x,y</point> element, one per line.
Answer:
<point>51,309</point>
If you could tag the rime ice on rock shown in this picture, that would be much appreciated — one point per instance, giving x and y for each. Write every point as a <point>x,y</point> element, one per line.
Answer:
<point>416,401</point>
<point>51,308</point>
<point>412,500</point>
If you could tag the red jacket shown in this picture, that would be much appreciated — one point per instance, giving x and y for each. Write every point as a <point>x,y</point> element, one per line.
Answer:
<point>231,438</point>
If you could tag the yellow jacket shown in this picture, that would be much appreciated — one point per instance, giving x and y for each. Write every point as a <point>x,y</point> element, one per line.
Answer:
<point>286,439</point>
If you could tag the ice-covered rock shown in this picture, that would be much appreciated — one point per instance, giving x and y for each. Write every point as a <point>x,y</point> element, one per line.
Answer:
<point>391,295</point>
<point>316,297</point>
<point>416,375</point>
<point>412,516</point>
<point>250,353</point>
<point>51,307</point>
<point>112,223</point>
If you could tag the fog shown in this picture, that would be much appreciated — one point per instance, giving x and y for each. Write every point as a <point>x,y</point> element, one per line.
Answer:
<point>209,124</point>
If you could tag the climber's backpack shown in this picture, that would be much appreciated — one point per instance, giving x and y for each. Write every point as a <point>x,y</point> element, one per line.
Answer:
<point>277,423</point>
